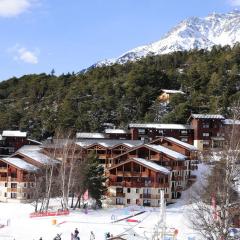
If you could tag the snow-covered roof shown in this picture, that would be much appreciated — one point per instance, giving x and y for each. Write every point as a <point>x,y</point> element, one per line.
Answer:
<point>34,152</point>
<point>167,151</point>
<point>169,91</point>
<point>152,165</point>
<point>10,133</point>
<point>34,141</point>
<point>184,144</point>
<point>115,131</point>
<point>207,116</point>
<point>19,163</point>
<point>231,122</point>
<point>159,126</point>
<point>109,143</point>
<point>90,135</point>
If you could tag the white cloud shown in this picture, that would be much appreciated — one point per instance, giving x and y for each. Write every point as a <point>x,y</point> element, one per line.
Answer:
<point>23,54</point>
<point>11,8</point>
<point>27,56</point>
<point>235,2</point>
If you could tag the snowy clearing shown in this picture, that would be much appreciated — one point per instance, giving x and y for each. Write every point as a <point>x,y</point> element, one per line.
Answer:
<point>22,227</point>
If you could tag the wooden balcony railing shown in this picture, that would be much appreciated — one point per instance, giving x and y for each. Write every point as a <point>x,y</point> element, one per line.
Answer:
<point>179,168</point>
<point>177,189</point>
<point>153,196</point>
<point>3,179</point>
<point>154,157</point>
<point>193,177</point>
<point>177,178</point>
<point>3,170</point>
<point>120,194</point>
<point>12,189</point>
<point>139,184</point>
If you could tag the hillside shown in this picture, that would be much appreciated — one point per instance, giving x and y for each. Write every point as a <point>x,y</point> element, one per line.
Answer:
<point>192,33</point>
<point>122,93</point>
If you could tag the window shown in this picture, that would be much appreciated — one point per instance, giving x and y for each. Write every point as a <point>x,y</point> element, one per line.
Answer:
<point>6,184</point>
<point>25,185</point>
<point>13,185</point>
<point>5,194</point>
<point>119,201</point>
<point>205,142</point>
<point>205,125</point>
<point>141,131</point>
<point>137,190</point>
<point>183,131</point>
<point>128,201</point>
<point>205,134</point>
<point>184,139</point>
<point>13,195</point>
<point>129,190</point>
<point>146,202</point>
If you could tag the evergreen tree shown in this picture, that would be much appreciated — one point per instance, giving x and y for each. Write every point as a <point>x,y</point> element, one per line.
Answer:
<point>95,179</point>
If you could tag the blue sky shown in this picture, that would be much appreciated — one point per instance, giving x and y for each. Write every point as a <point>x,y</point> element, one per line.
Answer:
<point>69,35</point>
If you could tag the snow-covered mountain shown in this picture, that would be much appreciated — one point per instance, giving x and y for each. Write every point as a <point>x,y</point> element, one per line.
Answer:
<point>192,33</point>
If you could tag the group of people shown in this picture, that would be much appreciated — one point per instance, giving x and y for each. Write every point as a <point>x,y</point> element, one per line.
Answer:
<point>74,236</point>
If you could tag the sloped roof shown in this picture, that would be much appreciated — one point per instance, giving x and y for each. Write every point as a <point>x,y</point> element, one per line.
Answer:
<point>10,133</point>
<point>167,151</point>
<point>20,163</point>
<point>159,126</point>
<point>172,91</point>
<point>231,122</point>
<point>184,144</point>
<point>207,116</point>
<point>152,165</point>
<point>34,152</point>
<point>115,131</point>
<point>90,135</point>
<point>109,143</point>
<point>146,163</point>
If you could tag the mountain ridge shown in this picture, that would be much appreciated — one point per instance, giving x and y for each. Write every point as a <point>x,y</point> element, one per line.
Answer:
<point>191,33</point>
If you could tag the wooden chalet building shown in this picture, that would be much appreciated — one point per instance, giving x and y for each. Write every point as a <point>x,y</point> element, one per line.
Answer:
<point>151,131</point>
<point>117,134</point>
<point>17,179</point>
<point>166,94</point>
<point>11,141</point>
<point>106,149</point>
<point>138,181</point>
<point>210,131</point>
<point>148,165</point>
<point>18,172</point>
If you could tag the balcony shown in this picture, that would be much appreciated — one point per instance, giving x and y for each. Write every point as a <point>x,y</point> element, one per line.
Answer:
<point>3,170</point>
<point>177,178</point>
<point>152,196</point>
<point>119,194</point>
<point>145,195</point>
<point>154,157</point>
<point>12,189</point>
<point>179,168</point>
<point>3,179</point>
<point>102,156</point>
<point>177,189</point>
<point>193,178</point>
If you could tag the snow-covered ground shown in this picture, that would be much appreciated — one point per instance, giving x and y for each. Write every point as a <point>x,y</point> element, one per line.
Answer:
<point>22,227</point>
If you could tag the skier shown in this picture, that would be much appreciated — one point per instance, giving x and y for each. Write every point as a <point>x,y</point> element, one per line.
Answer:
<point>92,236</point>
<point>58,237</point>
<point>76,232</point>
